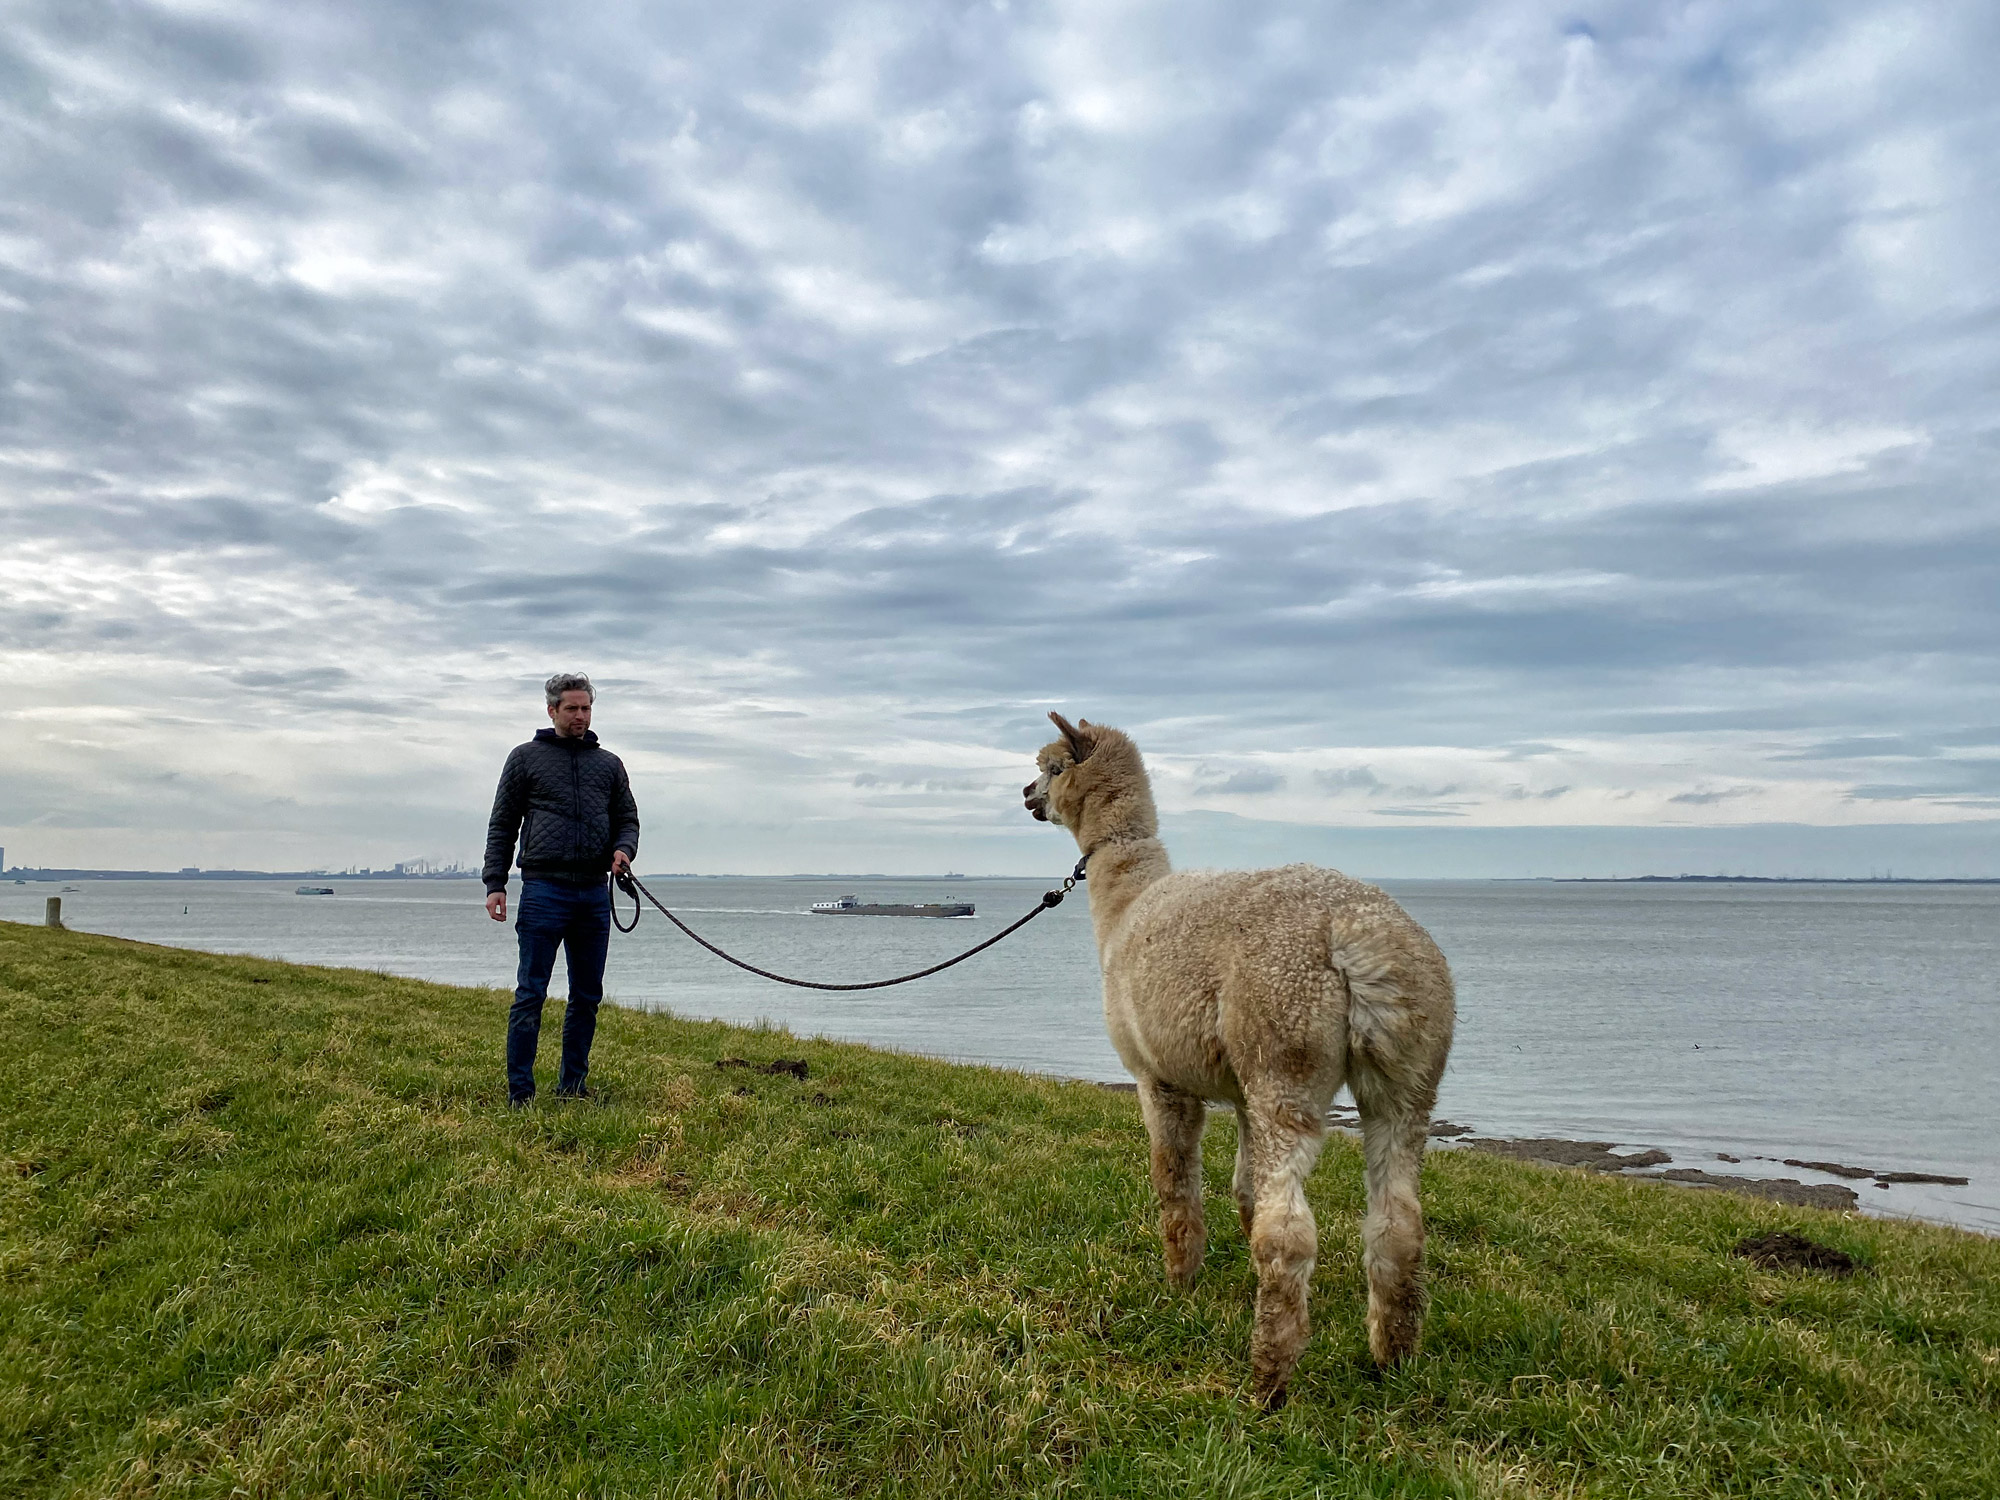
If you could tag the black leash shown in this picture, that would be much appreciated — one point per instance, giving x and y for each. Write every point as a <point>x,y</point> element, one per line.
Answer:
<point>635,888</point>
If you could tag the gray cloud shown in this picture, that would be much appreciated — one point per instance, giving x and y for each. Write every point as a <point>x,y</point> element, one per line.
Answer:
<point>848,386</point>
<point>1709,796</point>
<point>1866,747</point>
<point>1351,779</point>
<point>1251,781</point>
<point>1941,778</point>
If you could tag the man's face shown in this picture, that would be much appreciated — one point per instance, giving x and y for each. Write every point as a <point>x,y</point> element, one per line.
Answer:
<point>571,715</point>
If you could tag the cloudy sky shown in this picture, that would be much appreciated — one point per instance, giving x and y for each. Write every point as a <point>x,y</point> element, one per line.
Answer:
<point>1493,437</point>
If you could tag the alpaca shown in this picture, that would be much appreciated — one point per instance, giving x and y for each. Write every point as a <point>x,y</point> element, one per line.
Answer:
<point>1268,989</point>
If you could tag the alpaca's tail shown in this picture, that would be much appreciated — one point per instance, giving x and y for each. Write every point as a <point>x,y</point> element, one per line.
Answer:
<point>1399,1003</point>
<point>1364,954</point>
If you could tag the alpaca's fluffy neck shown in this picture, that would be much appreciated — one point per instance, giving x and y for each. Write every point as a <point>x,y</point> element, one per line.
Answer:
<point>1119,870</point>
<point>1120,834</point>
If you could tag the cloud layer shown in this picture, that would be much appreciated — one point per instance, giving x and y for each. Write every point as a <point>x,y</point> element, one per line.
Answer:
<point>1494,415</point>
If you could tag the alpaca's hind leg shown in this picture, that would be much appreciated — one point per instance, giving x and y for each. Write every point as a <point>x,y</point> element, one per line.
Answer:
<point>1393,1129</point>
<point>1284,1240</point>
<point>1243,1183</point>
<point>1173,1122</point>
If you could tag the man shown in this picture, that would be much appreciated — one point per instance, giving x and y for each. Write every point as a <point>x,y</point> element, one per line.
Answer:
<point>570,801</point>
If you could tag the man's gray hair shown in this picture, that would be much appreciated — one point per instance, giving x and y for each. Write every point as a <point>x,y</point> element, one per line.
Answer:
<point>567,682</point>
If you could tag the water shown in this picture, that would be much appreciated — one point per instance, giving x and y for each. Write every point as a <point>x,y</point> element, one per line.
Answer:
<point>1849,1023</point>
<point>1857,1024</point>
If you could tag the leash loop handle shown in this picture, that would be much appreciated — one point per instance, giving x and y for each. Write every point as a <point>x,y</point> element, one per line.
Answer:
<point>624,883</point>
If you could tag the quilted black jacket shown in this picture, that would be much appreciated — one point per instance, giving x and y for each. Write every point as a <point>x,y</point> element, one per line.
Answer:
<point>570,803</point>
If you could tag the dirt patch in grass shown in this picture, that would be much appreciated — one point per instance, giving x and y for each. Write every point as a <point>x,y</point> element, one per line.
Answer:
<point>1781,1250</point>
<point>794,1066</point>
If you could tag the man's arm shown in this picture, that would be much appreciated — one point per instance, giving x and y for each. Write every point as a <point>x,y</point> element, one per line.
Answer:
<point>510,801</point>
<point>624,824</point>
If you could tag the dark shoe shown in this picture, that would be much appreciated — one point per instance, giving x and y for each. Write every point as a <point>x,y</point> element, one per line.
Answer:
<point>575,1094</point>
<point>520,1101</point>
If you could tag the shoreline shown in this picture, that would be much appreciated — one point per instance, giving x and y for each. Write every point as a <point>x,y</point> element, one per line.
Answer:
<point>1795,1160</point>
<point>1768,879</point>
<point>1824,1185</point>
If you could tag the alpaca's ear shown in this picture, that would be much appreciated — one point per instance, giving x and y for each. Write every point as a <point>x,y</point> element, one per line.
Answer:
<point>1080,743</point>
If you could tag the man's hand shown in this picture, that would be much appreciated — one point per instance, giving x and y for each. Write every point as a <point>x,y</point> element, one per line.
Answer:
<point>621,862</point>
<point>496,905</point>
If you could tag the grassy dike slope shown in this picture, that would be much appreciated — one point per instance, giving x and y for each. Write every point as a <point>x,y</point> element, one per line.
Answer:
<point>269,1230</point>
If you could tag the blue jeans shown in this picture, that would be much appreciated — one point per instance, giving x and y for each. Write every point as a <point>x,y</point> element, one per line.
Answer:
<point>578,919</point>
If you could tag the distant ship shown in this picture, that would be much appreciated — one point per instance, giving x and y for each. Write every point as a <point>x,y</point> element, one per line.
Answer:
<point>313,890</point>
<point>854,906</point>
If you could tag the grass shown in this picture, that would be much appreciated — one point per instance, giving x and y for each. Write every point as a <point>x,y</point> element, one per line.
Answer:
<point>269,1230</point>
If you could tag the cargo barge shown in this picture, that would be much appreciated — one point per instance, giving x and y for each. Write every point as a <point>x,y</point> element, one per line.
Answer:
<point>854,906</point>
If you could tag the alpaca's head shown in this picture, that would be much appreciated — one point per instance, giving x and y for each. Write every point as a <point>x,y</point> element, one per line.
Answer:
<point>1092,782</point>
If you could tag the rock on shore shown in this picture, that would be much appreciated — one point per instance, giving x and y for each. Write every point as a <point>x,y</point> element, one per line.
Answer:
<point>1597,1156</point>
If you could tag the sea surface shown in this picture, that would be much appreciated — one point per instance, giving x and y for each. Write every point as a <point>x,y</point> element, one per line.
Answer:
<point>1851,1023</point>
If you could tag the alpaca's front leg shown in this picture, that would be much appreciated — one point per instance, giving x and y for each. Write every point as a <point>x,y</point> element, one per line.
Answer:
<point>1173,1122</point>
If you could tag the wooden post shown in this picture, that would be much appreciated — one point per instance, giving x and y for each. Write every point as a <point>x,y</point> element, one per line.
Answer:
<point>54,917</point>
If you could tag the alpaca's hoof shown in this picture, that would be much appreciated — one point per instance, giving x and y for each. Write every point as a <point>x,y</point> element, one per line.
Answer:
<point>1273,1398</point>
<point>1389,1352</point>
<point>1394,1328</point>
<point>1183,1247</point>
